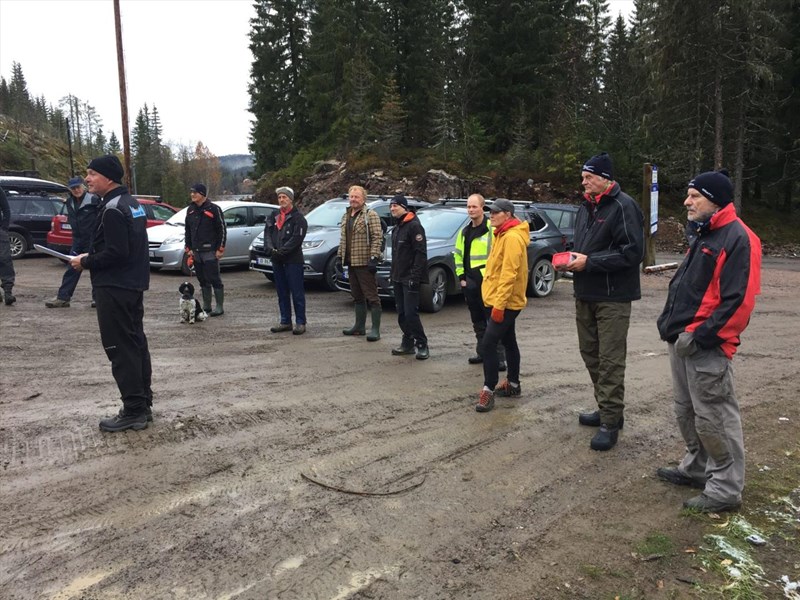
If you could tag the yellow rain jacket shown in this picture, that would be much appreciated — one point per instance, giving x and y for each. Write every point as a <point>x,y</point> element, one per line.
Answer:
<point>505,278</point>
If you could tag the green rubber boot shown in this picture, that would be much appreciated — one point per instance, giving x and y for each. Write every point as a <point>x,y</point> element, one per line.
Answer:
<point>219,295</point>
<point>360,326</point>
<point>206,299</point>
<point>375,333</point>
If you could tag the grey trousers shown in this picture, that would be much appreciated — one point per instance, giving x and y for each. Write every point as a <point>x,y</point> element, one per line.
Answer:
<point>708,418</point>
<point>603,342</point>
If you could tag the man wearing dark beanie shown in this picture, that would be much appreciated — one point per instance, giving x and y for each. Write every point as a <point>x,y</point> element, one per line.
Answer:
<point>709,303</point>
<point>609,245</point>
<point>119,265</point>
<point>206,236</point>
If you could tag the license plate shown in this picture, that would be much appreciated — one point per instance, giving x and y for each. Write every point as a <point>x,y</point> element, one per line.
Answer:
<point>152,255</point>
<point>264,262</point>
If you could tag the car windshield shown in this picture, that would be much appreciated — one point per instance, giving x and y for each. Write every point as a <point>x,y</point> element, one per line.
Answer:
<point>441,224</point>
<point>326,215</point>
<point>178,219</point>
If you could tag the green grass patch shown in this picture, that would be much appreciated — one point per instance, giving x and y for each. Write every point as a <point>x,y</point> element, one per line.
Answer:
<point>655,543</point>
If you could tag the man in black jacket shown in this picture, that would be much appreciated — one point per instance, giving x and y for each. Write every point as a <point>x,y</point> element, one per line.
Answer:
<point>409,270</point>
<point>119,264</point>
<point>81,215</point>
<point>205,244</point>
<point>7,274</point>
<point>609,246</point>
<point>284,233</point>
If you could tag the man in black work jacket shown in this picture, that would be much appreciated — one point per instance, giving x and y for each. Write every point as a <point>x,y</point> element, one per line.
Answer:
<point>609,246</point>
<point>284,233</point>
<point>409,270</point>
<point>7,274</point>
<point>82,210</point>
<point>205,244</point>
<point>120,269</point>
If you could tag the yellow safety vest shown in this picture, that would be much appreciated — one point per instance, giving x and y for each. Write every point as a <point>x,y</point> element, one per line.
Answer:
<point>478,250</point>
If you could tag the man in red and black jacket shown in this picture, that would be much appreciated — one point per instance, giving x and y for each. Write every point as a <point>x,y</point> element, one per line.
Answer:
<point>709,304</point>
<point>206,236</point>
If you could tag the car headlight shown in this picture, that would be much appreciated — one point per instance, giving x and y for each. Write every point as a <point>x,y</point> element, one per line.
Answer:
<point>312,244</point>
<point>178,239</point>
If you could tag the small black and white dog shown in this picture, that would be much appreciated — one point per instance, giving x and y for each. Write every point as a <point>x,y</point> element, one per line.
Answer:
<point>191,310</point>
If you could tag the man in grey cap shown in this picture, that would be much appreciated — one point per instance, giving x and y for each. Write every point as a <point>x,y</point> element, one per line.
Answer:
<point>82,210</point>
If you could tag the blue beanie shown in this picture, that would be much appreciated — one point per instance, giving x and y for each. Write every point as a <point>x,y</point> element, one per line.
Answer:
<point>600,165</point>
<point>714,185</point>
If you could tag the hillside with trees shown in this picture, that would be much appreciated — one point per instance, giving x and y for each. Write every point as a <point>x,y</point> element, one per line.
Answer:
<point>57,141</point>
<point>530,89</point>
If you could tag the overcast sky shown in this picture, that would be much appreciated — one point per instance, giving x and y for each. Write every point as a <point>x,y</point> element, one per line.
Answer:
<point>190,58</point>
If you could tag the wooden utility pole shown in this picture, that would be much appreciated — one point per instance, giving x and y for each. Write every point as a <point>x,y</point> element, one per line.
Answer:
<point>649,242</point>
<point>123,97</point>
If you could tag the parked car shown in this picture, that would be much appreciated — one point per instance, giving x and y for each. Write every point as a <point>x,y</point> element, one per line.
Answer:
<point>60,235</point>
<point>33,204</point>
<point>244,221</point>
<point>563,216</point>
<point>442,222</point>
<point>322,239</point>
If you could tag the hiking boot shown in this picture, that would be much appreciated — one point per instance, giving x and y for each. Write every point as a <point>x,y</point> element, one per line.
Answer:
<point>57,303</point>
<point>605,438</point>
<point>403,350</point>
<point>10,299</point>
<point>678,477</point>
<point>706,504</point>
<point>422,352</point>
<point>475,360</point>
<point>148,412</point>
<point>506,390</point>
<point>299,329</point>
<point>485,401</point>
<point>280,327</point>
<point>592,419</point>
<point>123,421</point>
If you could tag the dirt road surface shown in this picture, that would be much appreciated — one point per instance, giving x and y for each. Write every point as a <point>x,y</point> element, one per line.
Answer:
<point>212,501</point>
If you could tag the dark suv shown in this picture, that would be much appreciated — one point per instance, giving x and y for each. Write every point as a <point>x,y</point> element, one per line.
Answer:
<point>322,239</point>
<point>442,222</point>
<point>33,205</point>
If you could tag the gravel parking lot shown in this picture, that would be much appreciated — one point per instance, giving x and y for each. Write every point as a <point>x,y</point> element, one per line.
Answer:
<point>425,498</point>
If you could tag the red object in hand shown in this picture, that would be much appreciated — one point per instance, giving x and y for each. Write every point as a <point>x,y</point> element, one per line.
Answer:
<point>497,314</point>
<point>562,259</point>
<point>190,261</point>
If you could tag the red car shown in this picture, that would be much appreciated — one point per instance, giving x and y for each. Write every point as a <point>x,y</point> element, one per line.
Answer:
<point>60,235</point>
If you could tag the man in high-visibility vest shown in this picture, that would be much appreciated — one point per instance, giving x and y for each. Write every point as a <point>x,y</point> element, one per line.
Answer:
<point>471,253</point>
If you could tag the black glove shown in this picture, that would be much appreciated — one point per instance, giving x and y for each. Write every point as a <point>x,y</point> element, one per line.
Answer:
<point>372,264</point>
<point>338,263</point>
<point>268,251</point>
<point>413,286</point>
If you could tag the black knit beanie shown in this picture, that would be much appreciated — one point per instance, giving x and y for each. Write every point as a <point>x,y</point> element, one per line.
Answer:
<point>108,166</point>
<point>714,185</point>
<point>600,165</point>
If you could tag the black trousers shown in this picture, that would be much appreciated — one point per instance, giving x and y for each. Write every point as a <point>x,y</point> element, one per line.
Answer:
<point>477,314</point>
<point>206,267</point>
<point>407,304</point>
<point>119,315</point>
<point>505,332</point>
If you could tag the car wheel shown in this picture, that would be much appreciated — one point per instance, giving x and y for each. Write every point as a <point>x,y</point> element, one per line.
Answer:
<point>185,268</point>
<point>433,295</point>
<point>269,276</point>
<point>18,243</point>
<point>542,278</point>
<point>329,279</point>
